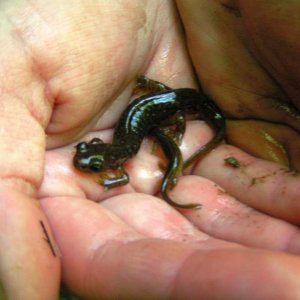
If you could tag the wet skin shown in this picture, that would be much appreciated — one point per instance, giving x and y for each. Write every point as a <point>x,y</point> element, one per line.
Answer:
<point>147,115</point>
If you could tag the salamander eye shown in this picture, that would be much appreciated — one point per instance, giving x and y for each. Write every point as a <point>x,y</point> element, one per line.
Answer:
<point>96,165</point>
<point>96,141</point>
<point>82,147</point>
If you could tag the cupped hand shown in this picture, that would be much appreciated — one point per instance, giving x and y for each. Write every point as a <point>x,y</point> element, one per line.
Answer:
<point>67,73</point>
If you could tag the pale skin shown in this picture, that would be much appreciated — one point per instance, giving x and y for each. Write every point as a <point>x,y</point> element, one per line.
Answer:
<point>67,72</point>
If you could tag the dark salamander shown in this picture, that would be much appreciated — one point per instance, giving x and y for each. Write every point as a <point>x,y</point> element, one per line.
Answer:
<point>146,115</point>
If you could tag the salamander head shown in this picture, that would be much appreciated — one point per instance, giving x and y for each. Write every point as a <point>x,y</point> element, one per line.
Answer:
<point>91,156</point>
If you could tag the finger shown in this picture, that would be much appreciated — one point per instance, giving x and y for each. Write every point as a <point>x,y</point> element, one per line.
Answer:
<point>21,232</point>
<point>221,216</point>
<point>224,217</point>
<point>234,276</point>
<point>153,217</point>
<point>260,184</point>
<point>134,266</point>
<point>263,185</point>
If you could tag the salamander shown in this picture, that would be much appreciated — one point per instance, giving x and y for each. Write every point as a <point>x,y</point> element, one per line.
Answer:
<point>144,116</point>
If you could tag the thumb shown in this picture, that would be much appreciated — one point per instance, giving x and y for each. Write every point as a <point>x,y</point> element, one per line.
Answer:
<point>28,268</point>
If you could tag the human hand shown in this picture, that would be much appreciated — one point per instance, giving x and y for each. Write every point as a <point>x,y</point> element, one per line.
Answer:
<point>131,244</point>
<point>246,54</point>
<point>62,66</point>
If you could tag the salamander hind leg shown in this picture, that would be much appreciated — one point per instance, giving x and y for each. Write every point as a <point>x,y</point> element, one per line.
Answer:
<point>175,128</point>
<point>146,85</point>
<point>214,117</point>
<point>178,121</point>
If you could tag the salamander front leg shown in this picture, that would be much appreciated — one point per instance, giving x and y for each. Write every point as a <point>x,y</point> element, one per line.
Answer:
<point>120,178</point>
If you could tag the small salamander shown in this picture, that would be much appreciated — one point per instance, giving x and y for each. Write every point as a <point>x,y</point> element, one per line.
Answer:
<point>145,116</point>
